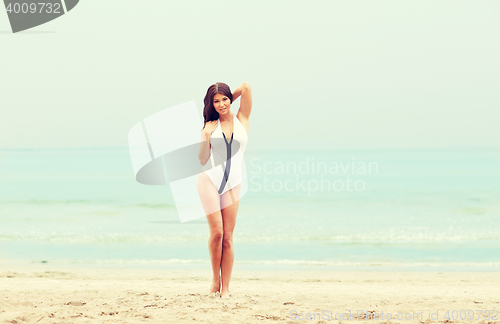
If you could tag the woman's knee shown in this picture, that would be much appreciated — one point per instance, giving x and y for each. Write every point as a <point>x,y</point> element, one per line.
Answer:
<point>216,235</point>
<point>227,240</point>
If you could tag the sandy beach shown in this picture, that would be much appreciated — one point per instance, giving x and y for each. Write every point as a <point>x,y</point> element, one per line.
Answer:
<point>43,294</point>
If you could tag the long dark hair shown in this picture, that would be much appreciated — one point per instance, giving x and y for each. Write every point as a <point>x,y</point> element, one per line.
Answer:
<point>209,112</point>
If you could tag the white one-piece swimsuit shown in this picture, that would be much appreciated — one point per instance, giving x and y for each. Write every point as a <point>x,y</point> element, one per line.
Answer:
<point>226,156</point>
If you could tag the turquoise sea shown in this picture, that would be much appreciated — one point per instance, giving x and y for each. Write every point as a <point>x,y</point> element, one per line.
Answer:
<point>435,209</point>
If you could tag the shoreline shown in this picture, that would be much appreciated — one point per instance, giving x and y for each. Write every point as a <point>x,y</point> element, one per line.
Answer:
<point>282,265</point>
<point>47,294</point>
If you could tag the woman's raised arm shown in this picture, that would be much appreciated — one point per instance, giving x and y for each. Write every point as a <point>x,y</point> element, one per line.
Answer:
<point>245,91</point>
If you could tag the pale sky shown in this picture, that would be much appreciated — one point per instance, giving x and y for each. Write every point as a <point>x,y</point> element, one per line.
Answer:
<point>333,74</point>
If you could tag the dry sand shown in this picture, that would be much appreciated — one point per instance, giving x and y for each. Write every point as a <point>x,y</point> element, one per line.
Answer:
<point>42,294</point>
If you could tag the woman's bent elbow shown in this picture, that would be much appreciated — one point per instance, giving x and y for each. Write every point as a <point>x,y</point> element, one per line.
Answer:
<point>203,160</point>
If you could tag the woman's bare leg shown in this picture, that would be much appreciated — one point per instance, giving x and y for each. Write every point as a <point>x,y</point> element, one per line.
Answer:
<point>215,249</point>
<point>229,213</point>
<point>210,200</point>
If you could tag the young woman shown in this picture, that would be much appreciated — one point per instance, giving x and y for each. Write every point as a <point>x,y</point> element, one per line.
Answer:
<point>223,140</point>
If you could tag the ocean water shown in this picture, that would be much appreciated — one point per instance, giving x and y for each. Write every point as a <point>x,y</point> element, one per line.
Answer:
<point>317,210</point>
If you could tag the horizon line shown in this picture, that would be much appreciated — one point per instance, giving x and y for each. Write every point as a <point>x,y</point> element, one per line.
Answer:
<point>343,148</point>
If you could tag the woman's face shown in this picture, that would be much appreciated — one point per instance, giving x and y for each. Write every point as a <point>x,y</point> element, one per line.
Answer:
<point>222,104</point>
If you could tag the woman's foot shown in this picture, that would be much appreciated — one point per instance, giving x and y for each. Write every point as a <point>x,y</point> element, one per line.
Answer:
<point>215,287</point>
<point>225,294</point>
